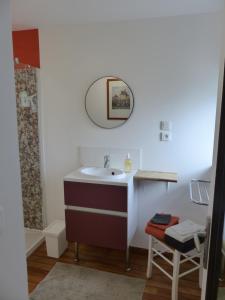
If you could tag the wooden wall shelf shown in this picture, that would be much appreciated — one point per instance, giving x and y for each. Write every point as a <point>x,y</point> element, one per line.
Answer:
<point>156,176</point>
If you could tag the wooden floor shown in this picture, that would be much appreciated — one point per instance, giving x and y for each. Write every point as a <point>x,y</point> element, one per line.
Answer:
<point>157,288</point>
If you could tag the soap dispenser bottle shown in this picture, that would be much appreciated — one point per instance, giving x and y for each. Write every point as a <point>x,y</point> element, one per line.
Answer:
<point>128,164</point>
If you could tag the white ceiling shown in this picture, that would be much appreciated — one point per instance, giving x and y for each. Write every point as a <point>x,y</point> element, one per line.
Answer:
<point>37,13</point>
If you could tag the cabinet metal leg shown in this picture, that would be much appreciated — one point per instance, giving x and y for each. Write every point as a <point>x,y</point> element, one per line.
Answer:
<point>128,268</point>
<point>76,258</point>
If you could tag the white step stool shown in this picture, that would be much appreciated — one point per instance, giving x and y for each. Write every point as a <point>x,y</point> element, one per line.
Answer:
<point>175,262</point>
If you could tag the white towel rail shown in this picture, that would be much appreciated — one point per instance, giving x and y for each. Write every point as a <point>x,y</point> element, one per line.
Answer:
<point>199,191</point>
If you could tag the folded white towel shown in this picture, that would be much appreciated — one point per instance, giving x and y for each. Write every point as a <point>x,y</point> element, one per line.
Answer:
<point>184,231</point>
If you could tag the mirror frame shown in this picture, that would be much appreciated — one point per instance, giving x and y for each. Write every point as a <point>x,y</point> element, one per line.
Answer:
<point>86,102</point>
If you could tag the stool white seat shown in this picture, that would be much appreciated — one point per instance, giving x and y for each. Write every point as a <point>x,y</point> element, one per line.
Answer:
<point>154,243</point>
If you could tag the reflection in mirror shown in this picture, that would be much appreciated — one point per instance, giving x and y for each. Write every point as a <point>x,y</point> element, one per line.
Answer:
<point>109,102</point>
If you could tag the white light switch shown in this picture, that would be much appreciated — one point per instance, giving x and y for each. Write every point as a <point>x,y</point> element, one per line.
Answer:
<point>166,125</point>
<point>165,136</point>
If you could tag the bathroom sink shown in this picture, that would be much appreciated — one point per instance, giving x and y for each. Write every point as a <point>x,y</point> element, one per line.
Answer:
<point>107,173</point>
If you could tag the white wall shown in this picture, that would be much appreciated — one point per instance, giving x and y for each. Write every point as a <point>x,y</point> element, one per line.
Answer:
<point>172,65</point>
<point>13,278</point>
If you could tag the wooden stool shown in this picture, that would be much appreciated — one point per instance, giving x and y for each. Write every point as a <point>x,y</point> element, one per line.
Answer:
<point>175,263</point>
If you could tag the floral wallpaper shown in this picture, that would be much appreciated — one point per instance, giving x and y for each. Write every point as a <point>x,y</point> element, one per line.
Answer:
<point>27,120</point>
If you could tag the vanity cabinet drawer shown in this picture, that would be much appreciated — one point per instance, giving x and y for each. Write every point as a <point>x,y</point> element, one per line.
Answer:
<point>100,196</point>
<point>96,229</point>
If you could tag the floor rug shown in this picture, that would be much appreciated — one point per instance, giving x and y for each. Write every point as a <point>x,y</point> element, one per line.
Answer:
<point>72,282</point>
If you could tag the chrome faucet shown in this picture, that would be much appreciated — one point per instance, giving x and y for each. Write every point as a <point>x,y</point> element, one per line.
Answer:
<point>107,161</point>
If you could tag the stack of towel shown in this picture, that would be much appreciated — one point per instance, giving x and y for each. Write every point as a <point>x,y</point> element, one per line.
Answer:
<point>185,236</point>
<point>185,231</point>
<point>157,228</point>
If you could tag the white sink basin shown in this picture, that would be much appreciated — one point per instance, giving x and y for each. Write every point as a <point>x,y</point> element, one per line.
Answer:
<point>107,173</point>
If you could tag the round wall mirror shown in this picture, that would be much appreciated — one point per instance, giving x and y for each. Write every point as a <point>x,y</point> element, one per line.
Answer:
<point>109,102</point>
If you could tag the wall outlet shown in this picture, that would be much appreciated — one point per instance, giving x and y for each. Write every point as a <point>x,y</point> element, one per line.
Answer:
<point>165,136</point>
<point>166,125</point>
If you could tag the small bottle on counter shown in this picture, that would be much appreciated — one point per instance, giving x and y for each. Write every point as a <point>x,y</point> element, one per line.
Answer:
<point>128,164</point>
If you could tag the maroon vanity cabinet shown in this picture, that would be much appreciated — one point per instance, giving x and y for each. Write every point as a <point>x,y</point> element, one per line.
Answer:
<point>96,214</point>
<point>99,196</point>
